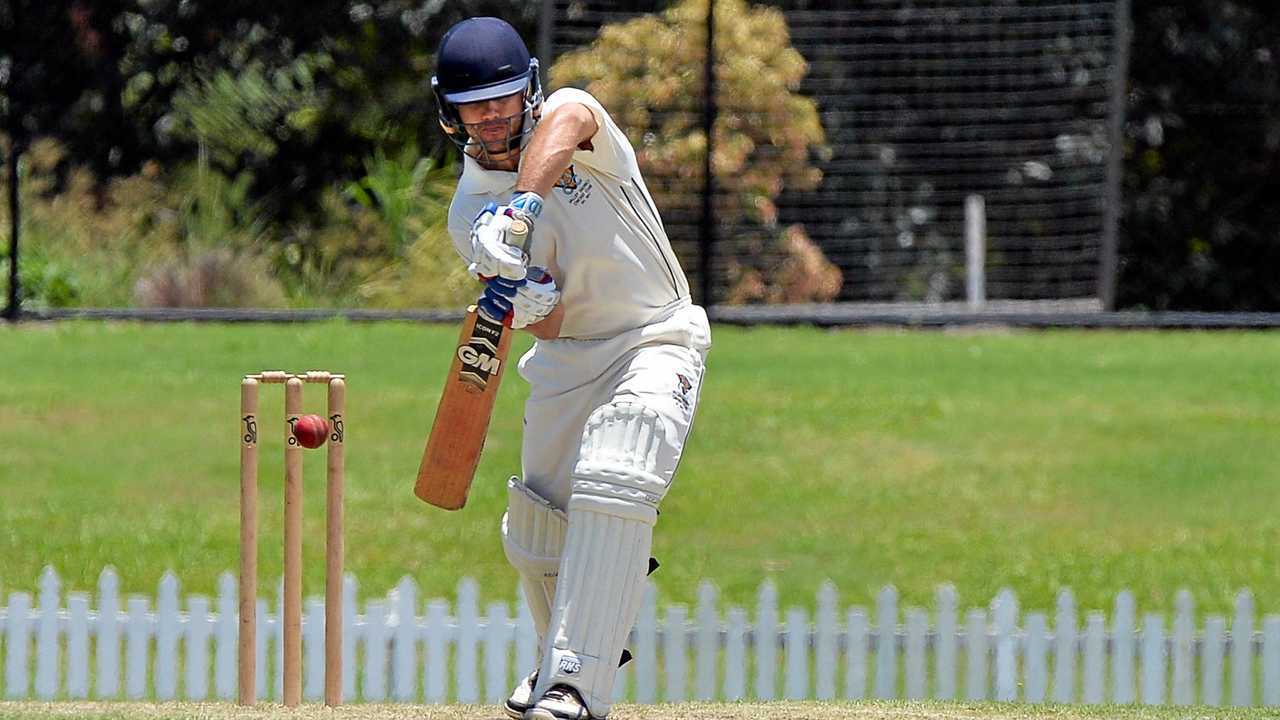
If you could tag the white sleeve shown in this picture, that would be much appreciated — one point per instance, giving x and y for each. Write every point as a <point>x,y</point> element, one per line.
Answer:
<point>460,230</point>
<point>611,151</point>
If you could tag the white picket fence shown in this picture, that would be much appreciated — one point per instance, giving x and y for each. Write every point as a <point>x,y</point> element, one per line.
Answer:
<point>400,650</point>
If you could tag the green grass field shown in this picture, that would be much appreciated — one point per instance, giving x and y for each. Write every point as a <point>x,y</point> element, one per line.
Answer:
<point>1040,460</point>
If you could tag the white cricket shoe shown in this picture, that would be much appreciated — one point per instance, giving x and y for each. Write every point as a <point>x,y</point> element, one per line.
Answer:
<point>561,702</point>
<point>521,697</point>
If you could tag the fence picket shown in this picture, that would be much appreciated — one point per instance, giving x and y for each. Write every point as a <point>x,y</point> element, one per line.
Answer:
<point>468,641</point>
<point>944,667</point>
<point>262,639</point>
<point>16,642</point>
<point>496,682</point>
<point>436,681</point>
<point>707,643</point>
<point>1212,651</point>
<point>1035,658</point>
<point>108,634</point>
<point>404,663</point>
<point>77,646</point>
<point>735,655</point>
<point>766,640</point>
<point>1183,692</point>
<point>917,627</point>
<point>375,651</point>
<point>1122,642</point>
<point>275,635</point>
<point>195,683</point>
<point>887,644</point>
<point>225,639</point>
<point>350,635</point>
<point>1271,660</point>
<point>1006,618</point>
<point>1153,660</point>
<point>673,655</point>
<point>647,647</point>
<point>166,664</point>
<point>796,655</point>
<point>46,680</point>
<point>825,643</point>
<point>976,655</point>
<point>137,642</point>
<point>1242,651</point>
<point>313,650</point>
<point>1095,659</point>
<point>856,646</point>
<point>1064,648</point>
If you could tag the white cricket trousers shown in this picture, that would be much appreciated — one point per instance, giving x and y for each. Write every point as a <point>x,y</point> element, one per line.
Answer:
<point>659,366</point>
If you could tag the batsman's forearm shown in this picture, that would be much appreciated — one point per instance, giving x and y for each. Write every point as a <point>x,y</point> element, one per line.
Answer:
<point>551,149</point>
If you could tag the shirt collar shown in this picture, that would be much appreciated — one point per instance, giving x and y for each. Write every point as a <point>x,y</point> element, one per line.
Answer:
<point>478,181</point>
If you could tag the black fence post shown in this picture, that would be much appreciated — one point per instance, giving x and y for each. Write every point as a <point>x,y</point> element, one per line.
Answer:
<point>1109,260</point>
<point>707,296</point>
<point>546,31</point>
<point>13,307</point>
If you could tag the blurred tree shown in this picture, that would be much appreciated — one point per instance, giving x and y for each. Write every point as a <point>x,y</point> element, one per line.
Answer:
<point>1201,225</point>
<point>287,97</point>
<point>298,92</point>
<point>648,72</point>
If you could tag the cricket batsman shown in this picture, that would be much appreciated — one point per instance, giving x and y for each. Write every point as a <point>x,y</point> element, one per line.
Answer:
<point>617,367</point>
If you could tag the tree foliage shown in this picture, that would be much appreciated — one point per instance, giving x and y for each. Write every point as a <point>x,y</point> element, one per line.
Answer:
<point>296,92</point>
<point>1201,226</point>
<point>648,71</point>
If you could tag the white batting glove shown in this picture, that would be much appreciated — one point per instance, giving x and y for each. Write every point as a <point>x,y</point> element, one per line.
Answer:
<point>535,299</point>
<point>491,255</point>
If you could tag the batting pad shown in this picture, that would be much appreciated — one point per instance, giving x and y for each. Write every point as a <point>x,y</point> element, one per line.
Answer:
<point>533,535</point>
<point>617,485</point>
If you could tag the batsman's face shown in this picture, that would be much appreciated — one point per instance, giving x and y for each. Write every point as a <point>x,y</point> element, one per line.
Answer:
<point>492,122</point>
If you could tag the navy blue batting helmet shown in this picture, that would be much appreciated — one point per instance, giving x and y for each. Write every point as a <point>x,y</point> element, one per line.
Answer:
<point>481,59</point>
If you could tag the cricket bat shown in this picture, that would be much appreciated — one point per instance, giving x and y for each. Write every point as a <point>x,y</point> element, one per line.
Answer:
<point>462,417</point>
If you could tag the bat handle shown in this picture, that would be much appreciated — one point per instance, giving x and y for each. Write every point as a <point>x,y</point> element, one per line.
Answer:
<point>518,234</point>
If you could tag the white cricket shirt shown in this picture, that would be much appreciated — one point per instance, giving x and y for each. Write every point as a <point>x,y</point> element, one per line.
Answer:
<point>599,234</point>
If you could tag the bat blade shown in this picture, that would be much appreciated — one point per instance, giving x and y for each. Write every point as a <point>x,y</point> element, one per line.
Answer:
<point>462,417</point>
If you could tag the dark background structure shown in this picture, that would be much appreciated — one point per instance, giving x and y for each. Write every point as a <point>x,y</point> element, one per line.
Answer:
<point>1141,180</point>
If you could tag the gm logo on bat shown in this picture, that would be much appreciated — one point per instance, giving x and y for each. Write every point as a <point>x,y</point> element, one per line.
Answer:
<point>481,362</point>
<point>479,354</point>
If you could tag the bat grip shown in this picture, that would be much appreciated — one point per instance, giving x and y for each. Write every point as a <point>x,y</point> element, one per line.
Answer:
<point>518,234</point>
<point>487,316</point>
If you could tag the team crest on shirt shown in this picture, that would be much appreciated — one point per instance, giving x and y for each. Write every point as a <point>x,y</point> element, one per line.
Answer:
<point>578,189</point>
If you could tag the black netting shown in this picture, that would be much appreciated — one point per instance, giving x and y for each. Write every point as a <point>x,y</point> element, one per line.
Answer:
<point>922,104</point>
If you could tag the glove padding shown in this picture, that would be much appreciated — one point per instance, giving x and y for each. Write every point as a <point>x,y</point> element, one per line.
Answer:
<point>535,299</point>
<point>492,256</point>
<point>523,302</point>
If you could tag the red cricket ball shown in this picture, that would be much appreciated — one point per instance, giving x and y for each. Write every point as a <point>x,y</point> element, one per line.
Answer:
<point>311,431</point>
